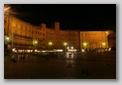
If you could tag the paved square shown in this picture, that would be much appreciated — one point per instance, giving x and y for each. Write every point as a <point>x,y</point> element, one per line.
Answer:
<point>88,65</point>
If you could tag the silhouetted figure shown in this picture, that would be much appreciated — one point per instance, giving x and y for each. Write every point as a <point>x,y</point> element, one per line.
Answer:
<point>13,59</point>
<point>70,54</point>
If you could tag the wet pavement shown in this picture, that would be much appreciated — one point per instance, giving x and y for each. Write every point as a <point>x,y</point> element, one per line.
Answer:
<point>88,65</point>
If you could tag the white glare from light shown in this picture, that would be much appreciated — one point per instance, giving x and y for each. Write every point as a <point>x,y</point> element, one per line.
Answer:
<point>109,49</point>
<point>67,47</point>
<point>83,50</point>
<point>72,47</point>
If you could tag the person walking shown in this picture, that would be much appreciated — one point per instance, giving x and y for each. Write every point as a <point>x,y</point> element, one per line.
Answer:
<point>13,58</point>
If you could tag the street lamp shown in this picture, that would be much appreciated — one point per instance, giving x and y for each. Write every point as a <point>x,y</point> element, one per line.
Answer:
<point>7,32</point>
<point>103,44</point>
<point>65,44</point>
<point>6,44</point>
<point>84,44</point>
<point>50,44</point>
<point>7,39</point>
<point>35,42</point>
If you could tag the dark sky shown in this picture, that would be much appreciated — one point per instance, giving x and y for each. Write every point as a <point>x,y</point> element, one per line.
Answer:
<point>71,16</point>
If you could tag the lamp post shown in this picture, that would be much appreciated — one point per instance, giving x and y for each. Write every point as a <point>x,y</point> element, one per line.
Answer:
<point>103,44</point>
<point>50,45</point>
<point>9,29</point>
<point>84,45</point>
<point>6,42</point>
<point>65,44</point>
<point>35,42</point>
<point>7,39</point>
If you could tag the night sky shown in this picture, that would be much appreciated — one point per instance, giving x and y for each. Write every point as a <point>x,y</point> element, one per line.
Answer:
<point>71,16</point>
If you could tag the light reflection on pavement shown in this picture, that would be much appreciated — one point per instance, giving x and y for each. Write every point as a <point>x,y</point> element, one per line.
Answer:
<point>68,65</point>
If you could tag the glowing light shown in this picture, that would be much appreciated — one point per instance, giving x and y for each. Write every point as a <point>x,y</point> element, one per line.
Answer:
<point>19,50</point>
<point>65,44</point>
<point>72,50</point>
<point>14,50</point>
<point>43,51</point>
<point>84,44</point>
<point>67,47</point>
<point>50,43</point>
<point>109,49</point>
<point>7,8</point>
<point>107,32</point>
<point>35,50</point>
<point>36,42</point>
<point>83,50</point>
<point>72,47</point>
<point>29,51</point>
<point>103,44</point>
<point>7,38</point>
<point>59,50</point>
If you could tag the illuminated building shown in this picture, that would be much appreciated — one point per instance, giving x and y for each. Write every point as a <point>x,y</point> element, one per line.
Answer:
<point>18,32</point>
<point>24,37</point>
<point>91,40</point>
<point>59,37</point>
<point>39,36</point>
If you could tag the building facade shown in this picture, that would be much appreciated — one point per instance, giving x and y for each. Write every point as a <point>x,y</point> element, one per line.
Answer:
<point>60,38</point>
<point>39,36</point>
<point>17,34</point>
<point>24,37</point>
<point>91,40</point>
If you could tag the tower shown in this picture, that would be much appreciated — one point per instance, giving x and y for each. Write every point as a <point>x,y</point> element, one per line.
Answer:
<point>56,25</point>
